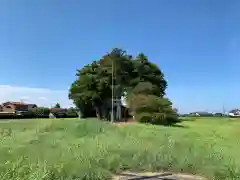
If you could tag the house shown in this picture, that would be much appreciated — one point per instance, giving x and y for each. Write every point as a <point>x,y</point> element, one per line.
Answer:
<point>202,114</point>
<point>1,108</point>
<point>57,112</point>
<point>31,106</point>
<point>194,114</point>
<point>234,113</point>
<point>17,107</point>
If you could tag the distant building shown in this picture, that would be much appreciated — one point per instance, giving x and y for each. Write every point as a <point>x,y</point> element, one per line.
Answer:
<point>202,114</point>
<point>234,113</point>
<point>194,114</point>
<point>31,106</point>
<point>16,107</point>
<point>57,112</point>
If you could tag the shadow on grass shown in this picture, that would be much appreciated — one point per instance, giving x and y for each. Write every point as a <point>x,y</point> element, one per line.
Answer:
<point>178,126</point>
<point>188,119</point>
<point>175,123</point>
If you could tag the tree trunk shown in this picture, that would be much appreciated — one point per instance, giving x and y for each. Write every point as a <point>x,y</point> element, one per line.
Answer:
<point>98,113</point>
<point>104,111</point>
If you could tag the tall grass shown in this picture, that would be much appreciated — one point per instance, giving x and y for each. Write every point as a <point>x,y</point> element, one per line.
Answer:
<point>90,149</point>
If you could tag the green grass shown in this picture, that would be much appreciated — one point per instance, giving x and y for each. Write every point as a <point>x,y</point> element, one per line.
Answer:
<point>90,149</point>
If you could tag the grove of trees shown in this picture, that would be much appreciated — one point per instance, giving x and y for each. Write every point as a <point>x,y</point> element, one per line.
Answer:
<point>139,80</point>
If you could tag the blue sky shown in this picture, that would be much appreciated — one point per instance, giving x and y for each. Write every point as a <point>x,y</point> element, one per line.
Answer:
<point>195,43</point>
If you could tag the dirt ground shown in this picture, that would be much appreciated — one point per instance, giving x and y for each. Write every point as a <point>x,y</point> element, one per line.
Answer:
<point>155,176</point>
<point>124,123</point>
<point>127,122</point>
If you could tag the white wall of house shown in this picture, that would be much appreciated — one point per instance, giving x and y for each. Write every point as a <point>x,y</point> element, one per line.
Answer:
<point>124,101</point>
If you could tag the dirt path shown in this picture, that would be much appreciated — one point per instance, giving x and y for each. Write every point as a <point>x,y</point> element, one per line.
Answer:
<point>155,176</point>
<point>124,123</point>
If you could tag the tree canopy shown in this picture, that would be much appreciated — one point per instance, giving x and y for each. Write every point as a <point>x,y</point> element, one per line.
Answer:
<point>57,105</point>
<point>118,74</point>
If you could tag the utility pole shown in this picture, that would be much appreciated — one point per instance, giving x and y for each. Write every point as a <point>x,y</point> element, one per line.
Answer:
<point>115,101</point>
<point>112,114</point>
<point>223,110</point>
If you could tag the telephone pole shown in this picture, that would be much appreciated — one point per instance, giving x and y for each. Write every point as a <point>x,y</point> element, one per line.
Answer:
<point>112,114</point>
<point>224,110</point>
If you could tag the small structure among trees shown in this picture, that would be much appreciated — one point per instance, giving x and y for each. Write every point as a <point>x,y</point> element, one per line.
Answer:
<point>101,85</point>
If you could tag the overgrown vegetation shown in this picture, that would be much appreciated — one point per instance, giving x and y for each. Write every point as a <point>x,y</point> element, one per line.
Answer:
<point>90,150</point>
<point>126,76</point>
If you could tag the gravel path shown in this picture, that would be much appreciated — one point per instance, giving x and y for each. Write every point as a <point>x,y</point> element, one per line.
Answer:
<point>155,176</point>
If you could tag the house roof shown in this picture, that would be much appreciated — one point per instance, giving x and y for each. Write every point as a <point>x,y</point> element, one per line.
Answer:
<point>14,103</point>
<point>31,105</point>
<point>235,111</point>
<point>18,103</point>
<point>55,110</point>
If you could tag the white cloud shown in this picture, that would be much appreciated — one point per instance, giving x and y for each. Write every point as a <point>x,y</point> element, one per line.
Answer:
<point>24,97</point>
<point>39,96</point>
<point>43,98</point>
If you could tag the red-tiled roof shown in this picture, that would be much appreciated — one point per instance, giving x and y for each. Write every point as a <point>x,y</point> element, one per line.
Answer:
<point>14,103</point>
<point>57,110</point>
<point>17,103</point>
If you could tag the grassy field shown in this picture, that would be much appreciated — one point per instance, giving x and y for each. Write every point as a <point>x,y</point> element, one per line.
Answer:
<point>90,149</point>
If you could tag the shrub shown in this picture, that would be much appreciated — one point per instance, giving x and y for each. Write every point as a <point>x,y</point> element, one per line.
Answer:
<point>26,115</point>
<point>4,116</point>
<point>153,109</point>
<point>71,113</point>
<point>41,112</point>
<point>156,118</point>
<point>144,117</point>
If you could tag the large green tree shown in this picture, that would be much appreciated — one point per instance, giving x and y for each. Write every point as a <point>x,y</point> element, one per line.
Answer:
<point>146,95</point>
<point>146,71</point>
<point>86,90</point>
<point>119,73</point>
<point>96,82</point>
<point>116,68</point>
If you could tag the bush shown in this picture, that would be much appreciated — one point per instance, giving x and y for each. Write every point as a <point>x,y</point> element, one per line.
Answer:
<point>144,117</point>
<point>156,118</point>
<point>86,109</point>
<point>40,112</point>
<point>4,116</point>
<point>153,109</point>
<point>71,113</point>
